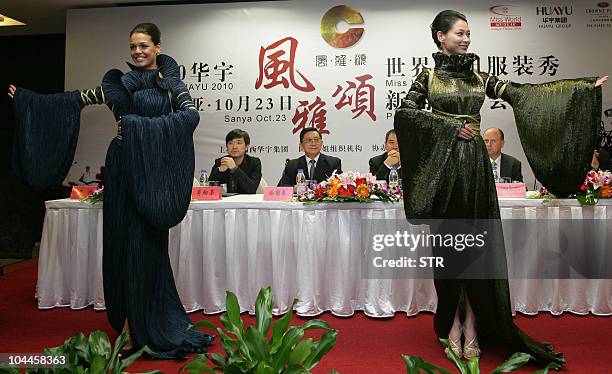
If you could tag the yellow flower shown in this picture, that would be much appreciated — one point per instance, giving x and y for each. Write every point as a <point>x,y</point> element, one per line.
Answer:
<point>333,191</point>
<point>362,190</point>
<point>335,182</point>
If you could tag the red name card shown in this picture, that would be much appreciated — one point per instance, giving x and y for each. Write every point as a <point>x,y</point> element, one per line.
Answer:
<point>278,193</point>
<point>511,190</point>
<point>81,192</point>
<point>206,193</point>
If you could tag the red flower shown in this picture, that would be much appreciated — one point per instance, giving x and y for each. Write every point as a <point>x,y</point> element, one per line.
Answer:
<point>319,192</point>
<point>344,192</point>
<point>351,189</point>
<point>583,188</point>
<point>359,181</point>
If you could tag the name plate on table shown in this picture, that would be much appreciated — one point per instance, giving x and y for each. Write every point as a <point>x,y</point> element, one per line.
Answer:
<point>81,192</point>
<point>206,193</point>
<point>278,193</point>
<point>511,190</point>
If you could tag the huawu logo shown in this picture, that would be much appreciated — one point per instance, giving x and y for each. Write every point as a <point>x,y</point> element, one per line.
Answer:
<point>329,26</point>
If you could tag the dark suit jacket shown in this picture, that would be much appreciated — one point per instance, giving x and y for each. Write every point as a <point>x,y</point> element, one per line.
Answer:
<point>378,167</point>
<point>605,159</point>
<point>323,170</point>
<point>510,168</point>
<point>243,179</point>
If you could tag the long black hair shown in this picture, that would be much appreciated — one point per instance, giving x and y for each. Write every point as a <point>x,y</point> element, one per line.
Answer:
<point>443,22</point>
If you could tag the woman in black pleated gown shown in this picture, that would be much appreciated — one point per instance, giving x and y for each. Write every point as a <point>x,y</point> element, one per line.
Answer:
<point>147,187</point>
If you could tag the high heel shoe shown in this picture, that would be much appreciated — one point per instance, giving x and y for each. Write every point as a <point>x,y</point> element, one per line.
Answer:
<point>471,349</point>
<point>455,346</point>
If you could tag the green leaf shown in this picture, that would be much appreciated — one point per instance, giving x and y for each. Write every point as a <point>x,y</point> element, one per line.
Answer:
<point>279,328</point>
<point>124,362</point>
<point>207,325</point>
<point>411,364</point>
<point>416,363</point>
<point>97,364</point>
<point>327,342</point>
<point>233,311</point>
<point>99,344</point>
<point>473,365</point>
<point>463,369</point>
<point>295,369</point>
<point>263,368</point>
<point>217,359</point>
<point>121,340</point>
<point>315,324</point>
<point>552,365</point>
<point>515,361</point>
<point>263,310</point>
<point>256,343</point>
<point>197,366</point>
<point>80,345</point>
<point>300,352</point>
<point>230,327</point>
<point>289,340</point>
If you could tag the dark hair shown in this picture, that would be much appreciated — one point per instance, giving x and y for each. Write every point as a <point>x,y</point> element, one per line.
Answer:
<point>307,130</point>
<point>392,131</point>
<point>236,134</point>
<point>443,22</point>
<point>150,29</point>
<point>496,128</point>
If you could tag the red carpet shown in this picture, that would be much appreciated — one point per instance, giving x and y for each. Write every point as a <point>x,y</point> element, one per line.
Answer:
<point>364,345</point>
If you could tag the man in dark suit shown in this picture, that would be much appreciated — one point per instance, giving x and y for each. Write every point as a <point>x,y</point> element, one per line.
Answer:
<point>380,165</point>
<point>316,165</point>
<point>241,172</point>
<point>601,159</point>
<point>506,165</point>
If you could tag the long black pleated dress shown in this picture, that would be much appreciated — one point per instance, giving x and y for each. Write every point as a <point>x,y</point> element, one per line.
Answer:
<point>147,190</point>
<point>448,178</point>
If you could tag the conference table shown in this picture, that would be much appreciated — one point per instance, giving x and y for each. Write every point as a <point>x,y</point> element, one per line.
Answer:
<point>311,252</point>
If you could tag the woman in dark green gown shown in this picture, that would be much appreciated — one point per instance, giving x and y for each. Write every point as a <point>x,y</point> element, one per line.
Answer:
<point>147,186</point>
<point>447,175</point>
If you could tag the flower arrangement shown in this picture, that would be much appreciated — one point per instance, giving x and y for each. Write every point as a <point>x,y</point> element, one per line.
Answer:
<point>597,184</point>
<point>96,197</point>
<point>348,187</point>
<point>542,193</point>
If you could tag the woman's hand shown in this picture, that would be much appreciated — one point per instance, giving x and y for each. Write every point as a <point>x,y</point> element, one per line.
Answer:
<point>11,91</point>
<point>601,81</point>
<point>466,133</point>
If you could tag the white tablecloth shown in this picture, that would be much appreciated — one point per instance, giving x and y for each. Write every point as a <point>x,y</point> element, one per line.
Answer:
<point>308,252</point>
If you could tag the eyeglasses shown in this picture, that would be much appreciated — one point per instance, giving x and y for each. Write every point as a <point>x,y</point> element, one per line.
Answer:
<point>312,141</point>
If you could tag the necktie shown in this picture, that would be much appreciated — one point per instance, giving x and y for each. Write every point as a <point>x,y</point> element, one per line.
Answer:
<point>495,171</point>
<point>311,169</point>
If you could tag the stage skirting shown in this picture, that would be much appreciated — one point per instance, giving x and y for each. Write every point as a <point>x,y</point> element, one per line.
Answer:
<point>308,252</point>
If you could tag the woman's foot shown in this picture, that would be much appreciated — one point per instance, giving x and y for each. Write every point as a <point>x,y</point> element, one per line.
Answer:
<point>454,342</point>
<point>471,348</point>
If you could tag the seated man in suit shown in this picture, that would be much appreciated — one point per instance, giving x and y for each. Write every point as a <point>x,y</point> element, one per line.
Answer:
<point>380,165</point>
<point>316,165</point>
<point>507,166</point>
<point>241,172</point>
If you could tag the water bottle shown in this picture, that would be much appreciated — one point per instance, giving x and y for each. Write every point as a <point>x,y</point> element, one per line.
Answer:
<point>203,178</point>
<point>300,182</point>
<point>393,177</point>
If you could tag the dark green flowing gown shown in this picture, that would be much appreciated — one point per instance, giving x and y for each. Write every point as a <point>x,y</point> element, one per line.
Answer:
<point>445,177</point>
<point>147,190</point>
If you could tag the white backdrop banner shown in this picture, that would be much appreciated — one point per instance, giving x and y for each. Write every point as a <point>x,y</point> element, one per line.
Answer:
<point>272,68</point>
